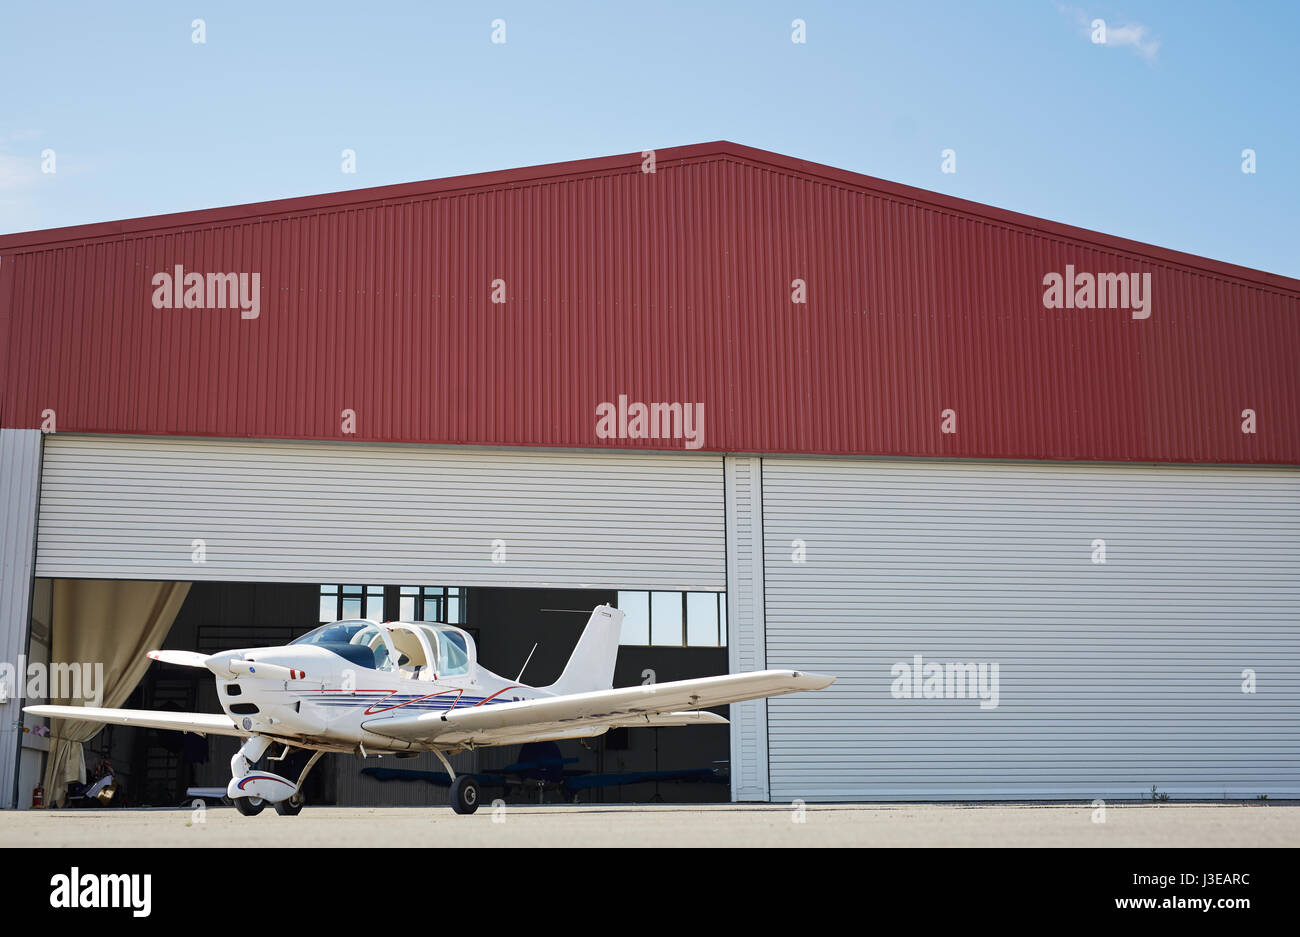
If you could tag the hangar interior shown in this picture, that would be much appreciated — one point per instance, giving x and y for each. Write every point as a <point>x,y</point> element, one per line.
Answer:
<point>666,636</point>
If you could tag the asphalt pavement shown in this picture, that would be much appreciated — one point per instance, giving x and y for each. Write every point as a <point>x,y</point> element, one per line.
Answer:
<point>692,825</point>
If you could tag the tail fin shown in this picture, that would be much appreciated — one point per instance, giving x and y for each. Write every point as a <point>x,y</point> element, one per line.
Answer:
<point>591,666</point>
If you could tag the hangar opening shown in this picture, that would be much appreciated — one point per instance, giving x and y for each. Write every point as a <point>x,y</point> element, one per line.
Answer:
<point>666,636</point>
<point>516,547</point>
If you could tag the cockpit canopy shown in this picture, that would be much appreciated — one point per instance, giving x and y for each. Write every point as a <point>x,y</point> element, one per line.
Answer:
<point>416,649</point>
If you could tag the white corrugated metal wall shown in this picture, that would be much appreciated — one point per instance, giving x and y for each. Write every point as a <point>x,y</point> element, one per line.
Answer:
<point>20,475</point>
<point>1113,677</point>
<point>133,507</point>
<point>745,645</point>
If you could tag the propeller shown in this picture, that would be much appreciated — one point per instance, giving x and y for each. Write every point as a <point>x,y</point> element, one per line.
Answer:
<point>181,658</point>
<point>227,665</point>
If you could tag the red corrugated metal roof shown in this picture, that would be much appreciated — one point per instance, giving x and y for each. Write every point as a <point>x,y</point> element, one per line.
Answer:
<point>667,287</point>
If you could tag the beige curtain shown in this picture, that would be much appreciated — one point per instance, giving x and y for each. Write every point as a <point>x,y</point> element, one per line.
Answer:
<point>110,622</point>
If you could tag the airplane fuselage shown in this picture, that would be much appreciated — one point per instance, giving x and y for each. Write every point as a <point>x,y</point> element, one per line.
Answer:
<point>330,701</point>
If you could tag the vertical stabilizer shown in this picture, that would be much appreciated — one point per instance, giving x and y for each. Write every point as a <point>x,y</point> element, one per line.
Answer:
<point>591,666</point>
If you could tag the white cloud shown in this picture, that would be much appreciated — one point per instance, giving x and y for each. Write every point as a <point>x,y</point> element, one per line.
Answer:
<point>1134,36</point>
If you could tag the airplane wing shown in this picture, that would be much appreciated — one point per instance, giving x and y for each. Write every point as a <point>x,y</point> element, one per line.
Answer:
<point>653,704</point>
<point>199,723</point>
<point>697,717</point>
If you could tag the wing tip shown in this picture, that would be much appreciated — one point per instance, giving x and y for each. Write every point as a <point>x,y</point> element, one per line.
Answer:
<point>813,681</point>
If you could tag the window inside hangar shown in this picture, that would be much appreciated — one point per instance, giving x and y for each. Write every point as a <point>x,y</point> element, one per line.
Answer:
<point>673,619</point>
<point>344,602</point>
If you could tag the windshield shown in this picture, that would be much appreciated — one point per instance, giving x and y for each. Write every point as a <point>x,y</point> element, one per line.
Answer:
<point>358,641</point>
<point>455,656</point>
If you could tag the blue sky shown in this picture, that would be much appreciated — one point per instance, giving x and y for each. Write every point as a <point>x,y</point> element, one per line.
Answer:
<point>1141,137</point>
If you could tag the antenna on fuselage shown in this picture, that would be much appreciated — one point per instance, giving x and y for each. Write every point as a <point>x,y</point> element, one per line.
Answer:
<point>525,666</point>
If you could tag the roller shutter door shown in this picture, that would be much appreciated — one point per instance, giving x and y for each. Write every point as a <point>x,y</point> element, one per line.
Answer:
<point>1112,677</point>
<point>124,507</point>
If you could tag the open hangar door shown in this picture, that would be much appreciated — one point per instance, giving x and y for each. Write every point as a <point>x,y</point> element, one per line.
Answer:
<point>156,768</point>
<point>1144,621</point>
<point>263,530</point>
<point>512,626</point>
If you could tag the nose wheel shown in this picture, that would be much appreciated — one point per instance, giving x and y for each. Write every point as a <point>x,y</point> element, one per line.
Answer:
<point>250,806</point>
<point>252,791</point>
<point>291,807</point>
<point>464,795</point>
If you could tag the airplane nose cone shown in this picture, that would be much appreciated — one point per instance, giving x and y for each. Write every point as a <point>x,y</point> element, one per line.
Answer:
<point>219,664</point>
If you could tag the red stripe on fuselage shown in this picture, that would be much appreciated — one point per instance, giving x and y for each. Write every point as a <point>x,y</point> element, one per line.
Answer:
<point>370,710</point>
<point>495,695</point>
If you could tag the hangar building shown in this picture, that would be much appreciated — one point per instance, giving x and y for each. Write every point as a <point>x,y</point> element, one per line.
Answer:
<point>1029,491</point>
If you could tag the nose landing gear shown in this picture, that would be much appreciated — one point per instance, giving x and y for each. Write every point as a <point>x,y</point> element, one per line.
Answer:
<point>250,806</point>
<point>291,807</point>
<point>251,790</point>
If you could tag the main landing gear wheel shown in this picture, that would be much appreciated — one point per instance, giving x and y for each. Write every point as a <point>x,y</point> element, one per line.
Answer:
<point>290,807</point>
<point>464,795</point>
<point>249,806</point>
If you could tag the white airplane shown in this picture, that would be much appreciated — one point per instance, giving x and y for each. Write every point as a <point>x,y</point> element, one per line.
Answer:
<point>407,687</point>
